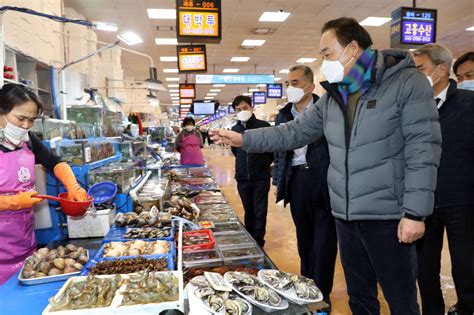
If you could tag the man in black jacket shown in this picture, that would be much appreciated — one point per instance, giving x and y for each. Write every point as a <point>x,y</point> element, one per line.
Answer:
<point>252,172</point>
<point>454,197</point>
<point>301,178</point>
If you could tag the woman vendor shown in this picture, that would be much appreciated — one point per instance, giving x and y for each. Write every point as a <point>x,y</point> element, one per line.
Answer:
<point>20,150</point>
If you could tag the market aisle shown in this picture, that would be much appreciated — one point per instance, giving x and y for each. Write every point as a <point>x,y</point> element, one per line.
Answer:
<point>280,238</point>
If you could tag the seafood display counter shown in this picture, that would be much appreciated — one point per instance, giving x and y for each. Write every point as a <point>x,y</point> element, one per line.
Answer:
<point>187,253</point>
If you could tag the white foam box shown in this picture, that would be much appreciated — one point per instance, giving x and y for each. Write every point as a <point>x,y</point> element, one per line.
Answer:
<point>90,225</point>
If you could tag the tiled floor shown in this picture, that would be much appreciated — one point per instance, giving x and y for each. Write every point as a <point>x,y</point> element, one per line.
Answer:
<point>280,238</point>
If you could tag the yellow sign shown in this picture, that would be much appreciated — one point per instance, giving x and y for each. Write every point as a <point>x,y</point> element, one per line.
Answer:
<point>192,23</point>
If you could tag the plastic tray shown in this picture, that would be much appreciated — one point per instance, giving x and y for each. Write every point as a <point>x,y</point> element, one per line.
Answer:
<point>209,199</point>
<point>192,259</point>
<point>93,262</point>
<point>232,240</point>
<point>209,245</point>
<point>100,252</point>
<point>47,279</point>
<point>228,228</point>
<point>117,234</point>
<point>254,254</point>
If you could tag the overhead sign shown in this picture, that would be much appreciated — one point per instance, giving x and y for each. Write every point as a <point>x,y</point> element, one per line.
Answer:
<point>235,78</point>
<point>274,90</point>
<point>186,101</point>
<point>187,91</point>
<point>192,58</point>
<point>259,98</point>
<point>230,109</point>
<point>199,21</point>
<point>412,27</point>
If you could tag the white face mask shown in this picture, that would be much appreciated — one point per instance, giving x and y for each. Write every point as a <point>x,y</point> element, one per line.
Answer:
<point>15,135</point>
<point>244,115</point>
<point>295,94</point>
<point>430,77</point>
<point>189,128</point>
<point>333,70</point>
<point>466,85</point>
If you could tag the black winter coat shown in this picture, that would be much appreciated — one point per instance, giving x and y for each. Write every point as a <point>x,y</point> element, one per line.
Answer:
<point>455,185</point>
<point>317,158</point>
<point>251,166</point>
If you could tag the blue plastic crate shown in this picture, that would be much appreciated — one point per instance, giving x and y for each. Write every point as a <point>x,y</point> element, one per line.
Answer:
<point>117,234</point>
<point>93,262</point>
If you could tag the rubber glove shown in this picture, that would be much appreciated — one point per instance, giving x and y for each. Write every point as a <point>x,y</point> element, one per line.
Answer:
<point>22,200</point>
<point>64,173</point>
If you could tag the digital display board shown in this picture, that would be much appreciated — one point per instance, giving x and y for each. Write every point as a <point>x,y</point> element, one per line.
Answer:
<point>235,78</point>
<point>413,27</point>
<point>204,108</point>
<point>274,90</point>
<point>259,98</point>
<point>187,91</point>
<point>230,109</point>
<point>199,21</point>
<point>192,58</point>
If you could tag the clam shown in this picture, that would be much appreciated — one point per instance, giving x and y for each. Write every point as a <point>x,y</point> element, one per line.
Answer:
<point>59,263</point>
<point>69,262</point>
<point>54,272</point>
<point>81,251</point>
<point>40,275</point>
<point>38,257</point>
<point>261,294</point>
<point>78,266</point>
<point>82,259</point>
<point>215,302</point>
<point>273,298</point>
<point>51,256</point>
<point>44,267</point>
<point>29,274</point>
<point>43,251</point>
<point>71,248</point>
<point>61,251</point>
<point>134,252</point>
<point>69,269</point>
<point>74,255</point>
<point>232,307</point>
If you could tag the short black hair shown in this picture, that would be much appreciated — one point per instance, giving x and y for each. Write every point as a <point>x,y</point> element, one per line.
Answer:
<point>347,30</point>
<point>241,98</point>
<point>13,95</point>
<point>469,56</point>
<point>188,120</point>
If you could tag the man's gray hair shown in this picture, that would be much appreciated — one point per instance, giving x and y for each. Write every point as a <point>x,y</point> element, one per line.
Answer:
<point>438,54</point>
<point>307,72</point>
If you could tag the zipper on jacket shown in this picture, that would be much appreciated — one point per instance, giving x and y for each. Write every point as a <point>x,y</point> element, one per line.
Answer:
<point>358,117</point>
<point>248,168</point>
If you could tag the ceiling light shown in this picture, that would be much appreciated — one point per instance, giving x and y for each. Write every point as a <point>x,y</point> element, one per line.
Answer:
<point>162,14</point>
<point>284,71</point>
<point>247,94</point>
<point>283,97</point>
<point>239,59</point>
<point>375,21</point>
<point>209,97</point>
<point>254,90</point>
<point>166,41</point>
<point>253,42</point>
<point>175,102</point>
<point>185,106</point>
<point>211,94</point>
<point>174,94</point>
<point>130,38</point>
<point>261,85</point>
<point>229,70</point>
<point>276,80</point>
<point>471,29</point>
<point>306,60</point>
<point>152,82</point>
<point>207,101</point>
<point>154,102</point>
<point>168,58</point>
<point>175,98</point>
<point>105,26</point>
<point>173,85</point>
<point>278,16</point>
<point>214,90</point>
<point>219,85</point>
<point>170,70</point>
<point>172,80</point>
<point>173,91</point>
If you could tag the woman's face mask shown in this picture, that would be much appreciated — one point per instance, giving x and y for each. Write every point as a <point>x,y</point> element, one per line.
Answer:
<point>15,135</point>
<point>189,128</point>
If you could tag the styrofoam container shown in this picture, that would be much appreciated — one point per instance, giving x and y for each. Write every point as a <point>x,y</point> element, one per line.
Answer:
<point>115,308</point>
<point>91,225</point>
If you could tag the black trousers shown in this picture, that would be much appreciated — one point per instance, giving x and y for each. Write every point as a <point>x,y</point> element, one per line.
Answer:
<point>254,196</point>
<point>370,253</point>
<point>315,230</point>
<point>459,225</point>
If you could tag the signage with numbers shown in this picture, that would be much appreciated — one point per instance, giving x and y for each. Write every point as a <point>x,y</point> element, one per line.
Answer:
<point>186,101</point>
<point>274,90</point>
<point>413,27</point>
<point>187,91</point>
<point>199,21</point>
<point>235,78</point>
<point>192,58</point>
<point>259,98</point>
<point>230,109</point>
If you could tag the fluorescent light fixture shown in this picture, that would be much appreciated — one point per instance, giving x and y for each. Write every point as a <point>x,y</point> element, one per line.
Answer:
<point>162,14</point>
<point>283,97</point>
<point>209,97</point>
<point>170,70</point>
<point>284,71</point>
<point>278,16</point>
<point>173,85</point>
<point>471,29</point>
<point>173,91</point>
<point>130,38</point>
<point>219,85</point>
<point>261,85</point>
<point>166,41</point>
<point>276,79</point>
<point>172,80</point>
<point>254,90</point>
<point>306,60</point>
<point>375,21</point>
<point>154,102</point>
<point>185,106</point>
<point>211,94</point>
<point>105,26</point>
<point>247,94</point>
<point>214,90</point>
<point>207,101</point>
<point>253,42</point>
<point>168,58</point>
<point>239,59</point>
<point>230,70</point>
<point>175,98</point>
<point>175,102</point>
<point>174,94</point>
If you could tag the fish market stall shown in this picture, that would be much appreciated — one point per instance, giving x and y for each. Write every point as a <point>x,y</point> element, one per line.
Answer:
<point>180,248</point>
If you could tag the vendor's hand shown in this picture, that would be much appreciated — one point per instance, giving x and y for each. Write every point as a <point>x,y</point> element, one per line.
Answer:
<point>226,137</point>
<point>410,230</point>
<point>27,200</point>
<point>76,193</point>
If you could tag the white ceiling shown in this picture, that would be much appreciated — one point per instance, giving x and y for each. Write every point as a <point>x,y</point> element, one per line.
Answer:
<point>297,37</point>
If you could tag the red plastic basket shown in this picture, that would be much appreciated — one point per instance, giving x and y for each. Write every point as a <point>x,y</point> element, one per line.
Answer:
<point>209,245</point>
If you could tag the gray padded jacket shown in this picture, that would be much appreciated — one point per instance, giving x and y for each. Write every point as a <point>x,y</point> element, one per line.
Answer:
<point>385,166</point>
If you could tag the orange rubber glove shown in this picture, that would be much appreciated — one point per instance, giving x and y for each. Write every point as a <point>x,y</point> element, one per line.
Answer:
<point>22,200</point>
<point>64,173</point>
